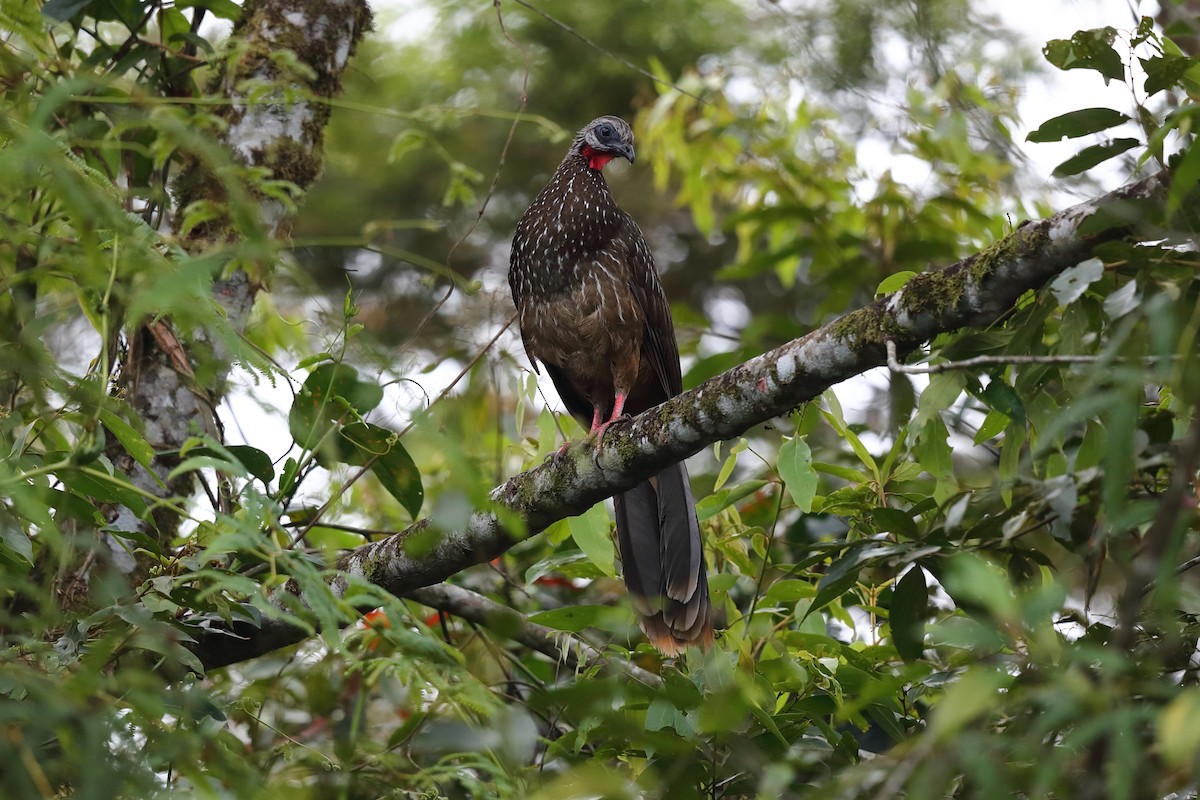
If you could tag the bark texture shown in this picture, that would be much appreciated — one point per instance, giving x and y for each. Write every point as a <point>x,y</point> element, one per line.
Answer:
<point>280,133</point>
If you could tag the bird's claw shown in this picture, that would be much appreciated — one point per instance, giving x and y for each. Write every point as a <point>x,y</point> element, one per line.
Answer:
<point>599,432</point>
<point>558,455</point>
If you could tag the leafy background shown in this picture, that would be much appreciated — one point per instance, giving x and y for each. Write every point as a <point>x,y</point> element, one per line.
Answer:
<point>975,583</point>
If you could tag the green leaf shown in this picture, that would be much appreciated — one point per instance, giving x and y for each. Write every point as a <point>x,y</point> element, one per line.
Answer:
<point>254,461</point>
<point>569,565</point>
<point>910,607</point>
<point>392,465</point>
<point>63,10</point>
<point>1164,72</point>
<point>1077,123</point>
<point>1089,157</point>
<point>130,439</point>
<point>225,9</point>
<point>1184,178</point>
<point>717,502</point>
<point>1178,733</point>
<point>331,392</point>
<point>570,618</point>
<point>835,418</point>
<point>333,538</point>
<point>893,282</point>
<point>15,541</point>
<point>796,469</point>
<point>590,531</point>
<point>941,393</point>
<point>789,590</point>
<point>976,693</point>
<point>893,520</point>
<point>992,426</point>
<point>1090,49</point>
<point>838,471</point>
<point>106,489</point>
<point>1003,398</point>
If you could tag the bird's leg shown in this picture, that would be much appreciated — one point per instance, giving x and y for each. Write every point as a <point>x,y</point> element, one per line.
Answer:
<point>598,428</point>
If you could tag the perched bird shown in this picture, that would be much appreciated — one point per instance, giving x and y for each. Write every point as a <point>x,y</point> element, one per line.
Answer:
<point>592,310</point>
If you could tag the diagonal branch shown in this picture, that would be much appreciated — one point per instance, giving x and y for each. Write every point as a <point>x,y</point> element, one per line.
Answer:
<point>974,292</point>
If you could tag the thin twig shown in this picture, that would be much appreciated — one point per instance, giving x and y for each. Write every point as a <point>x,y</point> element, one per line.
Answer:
<point>894,364</point>
<point>470,365</point>
<point>619,59</point>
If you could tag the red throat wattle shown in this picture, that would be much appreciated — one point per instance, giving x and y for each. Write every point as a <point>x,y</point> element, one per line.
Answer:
<point>595,159</point>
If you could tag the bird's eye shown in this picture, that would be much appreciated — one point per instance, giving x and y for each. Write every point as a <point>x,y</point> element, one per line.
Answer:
<point>605,131</point>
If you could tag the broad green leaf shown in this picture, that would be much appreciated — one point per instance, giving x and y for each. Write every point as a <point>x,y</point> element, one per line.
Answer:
<point>91,482</point>
<point>255,461</point>
<point>789,590</point>
<point>909,608</point>
<point>972,581</point>
<point>1089,157</point>
<point>717,502</point>
<point>796,469</point>
<point>894,282</point>
<point>1184,178</point>
<point>225,9</point>
<point>390,462</point>
<point>63,10</point>
<point>941,393</point>
<point>895,521</point>
<point>1178,733</point>
<point>1077,123</point>
<point>570,618</point>
<point>133,442</point>
<point>974,695</point>
<point>933,453</point>
<point>247,460</point>
<point>991,427</point>
<point>838,471</point>
<point>331,392</point>
<point>569,565</point>
<point>1165,71</point>
<point>591,532</point>
<point>1090,49</point>
<point>1003,398</point>
<point>836,420</point>
<point>16,542</point>
<point>333,538</point>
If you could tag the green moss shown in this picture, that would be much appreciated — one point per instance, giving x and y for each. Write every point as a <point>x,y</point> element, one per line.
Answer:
<point>1025,239</point>
<point>934,292</point>
<point>867,327</point>
<point>290,160</point>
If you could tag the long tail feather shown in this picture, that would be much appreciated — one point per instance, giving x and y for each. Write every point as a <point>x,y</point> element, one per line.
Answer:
<point>662,556</point>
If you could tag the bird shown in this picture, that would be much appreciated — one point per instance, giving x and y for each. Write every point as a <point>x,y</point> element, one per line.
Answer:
<point>592,311</point>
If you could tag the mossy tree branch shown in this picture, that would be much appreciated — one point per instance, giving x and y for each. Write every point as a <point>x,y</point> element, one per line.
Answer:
<point>974,292</point>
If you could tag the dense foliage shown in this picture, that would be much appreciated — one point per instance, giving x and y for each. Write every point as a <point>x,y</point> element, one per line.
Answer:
<point>974,581</point>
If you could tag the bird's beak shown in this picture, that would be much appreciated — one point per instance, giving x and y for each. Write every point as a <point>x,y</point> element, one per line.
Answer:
<point>627,151</point>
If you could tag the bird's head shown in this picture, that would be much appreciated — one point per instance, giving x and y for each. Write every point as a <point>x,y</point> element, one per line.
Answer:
<point>602,140</point>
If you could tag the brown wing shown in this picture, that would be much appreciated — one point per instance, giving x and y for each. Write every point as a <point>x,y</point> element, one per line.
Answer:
<point>518,275</point>
<point>658,343</point>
